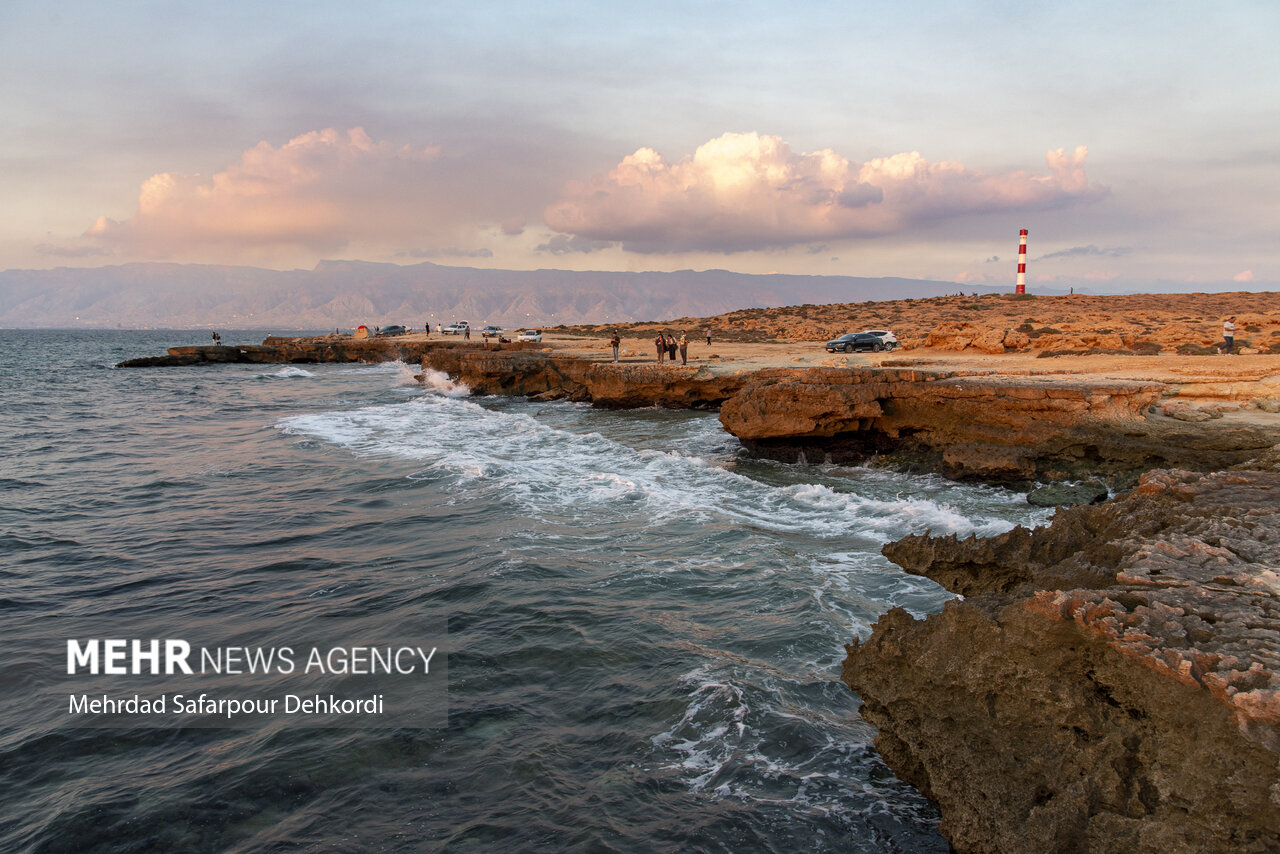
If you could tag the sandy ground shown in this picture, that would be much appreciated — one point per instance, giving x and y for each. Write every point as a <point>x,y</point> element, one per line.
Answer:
<point>1201,381</point>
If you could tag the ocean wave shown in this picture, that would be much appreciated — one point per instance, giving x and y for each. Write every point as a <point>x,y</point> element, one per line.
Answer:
<point>558,474</point>
<point>288,371</point>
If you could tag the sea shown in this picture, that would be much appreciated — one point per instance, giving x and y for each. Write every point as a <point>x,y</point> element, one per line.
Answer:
<point>643,627</point>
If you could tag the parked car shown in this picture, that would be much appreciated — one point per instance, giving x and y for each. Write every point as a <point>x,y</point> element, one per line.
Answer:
<point>870,339</point>
<point>531,335</point>
<point>389,331</point>
<point>491,332</point>
<point>456,328</point>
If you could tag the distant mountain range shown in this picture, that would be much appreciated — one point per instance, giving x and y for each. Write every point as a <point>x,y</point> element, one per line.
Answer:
<point>344,294</point>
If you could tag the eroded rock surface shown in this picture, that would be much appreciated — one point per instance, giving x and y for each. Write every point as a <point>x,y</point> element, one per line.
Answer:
<point>605,384</point>
<point>980,424</point>
<point>1109,683</point>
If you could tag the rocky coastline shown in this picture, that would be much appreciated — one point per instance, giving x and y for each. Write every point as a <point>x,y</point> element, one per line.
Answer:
<point>1108,683</point>
<point>975,424</point>
<point>276,350</point>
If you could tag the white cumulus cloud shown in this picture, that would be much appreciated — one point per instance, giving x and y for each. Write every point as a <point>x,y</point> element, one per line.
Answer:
<point>746,191</point>
<point>321,191</point>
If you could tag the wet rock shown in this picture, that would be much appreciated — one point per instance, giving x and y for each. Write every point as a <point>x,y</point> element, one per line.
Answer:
<point>1068,494</point>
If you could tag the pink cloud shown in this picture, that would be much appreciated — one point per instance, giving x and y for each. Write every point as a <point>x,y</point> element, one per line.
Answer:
<point>747,191</point>
<point>320,191</point>
<point>1243,276</point>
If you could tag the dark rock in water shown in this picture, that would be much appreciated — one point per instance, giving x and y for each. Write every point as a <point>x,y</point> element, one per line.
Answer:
<point>1108,683</point>
<point>307,351</point>
<point>1068,494</point>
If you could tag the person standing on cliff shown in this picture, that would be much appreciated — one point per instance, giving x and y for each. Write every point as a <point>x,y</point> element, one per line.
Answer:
<point>1229,335</point>
<point>661,343</point>
<point>708,336</point>
<point>684,349</point>
<point>466,333</point>
<point>615,342</point>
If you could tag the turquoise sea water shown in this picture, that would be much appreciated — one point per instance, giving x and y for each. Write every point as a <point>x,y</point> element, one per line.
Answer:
<point>645,629</point>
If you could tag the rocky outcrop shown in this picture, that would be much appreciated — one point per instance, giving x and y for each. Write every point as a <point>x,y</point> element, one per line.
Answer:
<point>328,348</point>
<point>622,385</point>
<point>981,425</point>
<point>966,425</point>
<point>1109,683</point>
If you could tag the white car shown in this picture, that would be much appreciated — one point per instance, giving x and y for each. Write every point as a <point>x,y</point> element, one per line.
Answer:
<point>491,332</point>
<point>531,335</point>
<point>456,328</point>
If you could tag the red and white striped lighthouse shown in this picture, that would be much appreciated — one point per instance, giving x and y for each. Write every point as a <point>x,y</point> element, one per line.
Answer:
<point>1022,262</point>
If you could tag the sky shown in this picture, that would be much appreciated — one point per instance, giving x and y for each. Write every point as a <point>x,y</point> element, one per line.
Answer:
<point>1138,142</point>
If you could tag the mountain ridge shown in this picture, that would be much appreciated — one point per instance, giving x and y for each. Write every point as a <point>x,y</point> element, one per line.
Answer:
<point>341,293</point>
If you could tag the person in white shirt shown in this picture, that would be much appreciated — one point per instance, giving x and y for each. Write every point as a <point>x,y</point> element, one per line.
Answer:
<point>1229,335</point>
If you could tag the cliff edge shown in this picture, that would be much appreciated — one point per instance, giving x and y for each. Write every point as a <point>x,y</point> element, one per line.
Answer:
<point>1109,683</point>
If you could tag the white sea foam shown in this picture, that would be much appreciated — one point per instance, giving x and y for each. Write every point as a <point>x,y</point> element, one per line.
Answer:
<point>439,382</point>
<point>559,474</point>
<point>289,371</point>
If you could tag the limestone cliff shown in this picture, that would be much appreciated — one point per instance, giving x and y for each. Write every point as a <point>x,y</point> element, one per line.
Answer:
<point>603,383</point>
<point>982,425</point>
<point>1109,683</point>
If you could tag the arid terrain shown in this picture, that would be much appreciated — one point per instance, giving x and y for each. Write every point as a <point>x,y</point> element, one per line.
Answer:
<point>1138,323</point>
<point>1168,338</point>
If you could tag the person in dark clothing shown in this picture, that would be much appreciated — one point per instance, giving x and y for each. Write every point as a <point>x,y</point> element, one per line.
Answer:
<point>708,336</point>
<point>615,342</point>
<point>466,333</point>
<point>661,343</point>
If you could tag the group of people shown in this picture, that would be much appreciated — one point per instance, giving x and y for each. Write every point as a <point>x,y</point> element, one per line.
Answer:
<point>666,346</point>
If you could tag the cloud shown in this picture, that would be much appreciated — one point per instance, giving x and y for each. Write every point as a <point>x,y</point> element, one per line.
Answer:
<point>321,191</point>
<point>746,191</point>
<point>1243,276</point>
<point>563,244</point>
<point>1087,251</point>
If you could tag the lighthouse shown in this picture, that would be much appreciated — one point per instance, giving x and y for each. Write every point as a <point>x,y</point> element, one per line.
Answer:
<point>1022,262</point>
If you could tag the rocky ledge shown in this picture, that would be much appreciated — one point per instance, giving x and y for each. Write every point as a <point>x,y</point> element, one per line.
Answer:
<point>975,424</point>
<point>548,376</point>
<point>979,424</point>
<point>305,351</point>
<point>1108,683</point>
